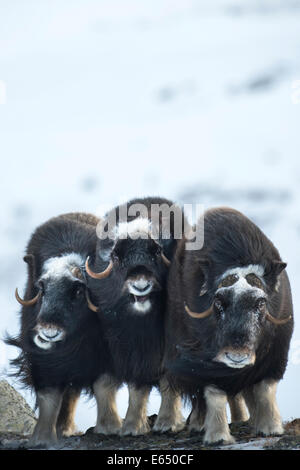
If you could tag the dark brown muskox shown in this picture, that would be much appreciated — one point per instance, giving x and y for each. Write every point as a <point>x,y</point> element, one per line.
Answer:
<point>128,282</point>
<point>229,324</point>
<point>61,341</point>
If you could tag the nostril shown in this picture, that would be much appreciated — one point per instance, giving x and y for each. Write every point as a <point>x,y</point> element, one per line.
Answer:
<point>143,287</point>
<point>140,287</point>
<point>236,357</point>
<point>50,334</point>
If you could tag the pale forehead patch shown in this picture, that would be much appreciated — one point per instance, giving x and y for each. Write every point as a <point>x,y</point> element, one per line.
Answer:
<point>256,269</point>
<point>60,266</point>
<point>242,285</point>
<point>137,228</point>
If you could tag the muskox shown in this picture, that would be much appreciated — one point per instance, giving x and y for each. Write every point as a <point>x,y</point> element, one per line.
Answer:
<point>62,348</point>
<point>128,282</point>
<point>228,325</point>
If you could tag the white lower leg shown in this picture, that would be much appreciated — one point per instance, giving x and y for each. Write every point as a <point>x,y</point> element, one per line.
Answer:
<point>216,425</point>
<point>49,403</point>
<point>197,417</point>
<point>267,416</point>
<point>66,419</point>
<point>238,408</point>
<point>251,405</point>
<point>136,421</point>
<point>169,416</point>
<point>108,420</point>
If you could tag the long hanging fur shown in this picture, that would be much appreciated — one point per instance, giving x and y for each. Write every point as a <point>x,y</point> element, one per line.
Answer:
<point>136,342</point>
<point>83,356</point>
<point>230,240</point>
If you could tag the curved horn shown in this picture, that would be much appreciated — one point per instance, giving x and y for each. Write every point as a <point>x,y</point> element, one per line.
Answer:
<point>277,321</point>
<point>198,315</point>
<point>90,303</point>
<point>27,303</point>
<point>165,259</point>
<point>101,275</point>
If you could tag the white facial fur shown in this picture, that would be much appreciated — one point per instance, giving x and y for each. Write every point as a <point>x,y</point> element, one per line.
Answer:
<point>235,358</point>
<point>56,268</point>
<point>142,307</point>
<point>41,343</point>
<point>241,358</point>
<point>47,335</point>
<point>137,228</point>
<point>133,287</point>
<point>60,266</point>
<point>256,269</point>
<point>242,286</point>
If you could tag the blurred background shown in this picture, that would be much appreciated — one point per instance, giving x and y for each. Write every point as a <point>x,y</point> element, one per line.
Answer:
<point>105,100</point>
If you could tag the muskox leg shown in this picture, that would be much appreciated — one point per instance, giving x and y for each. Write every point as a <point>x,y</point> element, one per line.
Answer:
<point>108,420</point>
<point>49,403</point>
<point>197,416</point>
<point>250,400</point>
<point>136,421</point>
<point>169,416</point>
<point>65,422</point>
<point>238,408</point>
<point>266,419</point>
<point>215,424</point>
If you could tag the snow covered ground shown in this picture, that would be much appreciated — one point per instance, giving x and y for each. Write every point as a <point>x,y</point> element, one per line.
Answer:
<point>105,100</point>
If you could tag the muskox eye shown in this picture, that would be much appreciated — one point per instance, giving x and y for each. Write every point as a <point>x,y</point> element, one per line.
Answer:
<point>114,256</point>
<point>218,305</point>
<point>261,304</point>
<point>79,290</point>
<point>41,287</point>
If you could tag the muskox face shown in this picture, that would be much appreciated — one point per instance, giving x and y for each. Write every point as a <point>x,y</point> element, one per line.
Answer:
<point>61,303</point>
<point>239,304</point>
<point>137,268</point>
<point>140,272</point>
<point>243,298</point>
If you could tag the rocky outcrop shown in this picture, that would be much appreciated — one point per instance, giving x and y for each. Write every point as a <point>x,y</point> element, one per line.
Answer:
<point>16,416</point>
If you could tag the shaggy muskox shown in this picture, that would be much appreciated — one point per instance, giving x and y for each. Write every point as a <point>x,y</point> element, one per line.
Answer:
<point>62,347</point>
<point>228,325</point>
<point>128,283</point>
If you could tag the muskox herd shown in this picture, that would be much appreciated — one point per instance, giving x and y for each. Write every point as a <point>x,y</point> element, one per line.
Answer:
<point>125,300</point>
